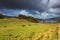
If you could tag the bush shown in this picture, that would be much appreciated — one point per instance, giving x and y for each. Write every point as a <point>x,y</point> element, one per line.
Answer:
<point>1,16</point>
<point>32,19</point>
<point>21,16</point>
<point>29,18</point>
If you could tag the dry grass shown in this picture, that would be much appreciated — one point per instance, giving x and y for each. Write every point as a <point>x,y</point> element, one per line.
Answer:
<point>15,29</point>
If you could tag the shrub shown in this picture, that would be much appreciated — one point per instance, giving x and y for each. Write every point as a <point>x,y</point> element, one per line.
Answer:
<point>23,25</point>
<point>21,16</point>
<point>1,16</point>
<point>29,18</point>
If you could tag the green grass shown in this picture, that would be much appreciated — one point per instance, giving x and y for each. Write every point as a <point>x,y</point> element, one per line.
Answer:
<point>15,29</point>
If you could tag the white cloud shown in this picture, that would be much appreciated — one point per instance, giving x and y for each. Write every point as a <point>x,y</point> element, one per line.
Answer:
<point>37,12</point>
<point>24,12</point>
<point>45,14</point>
<point>56,10</point>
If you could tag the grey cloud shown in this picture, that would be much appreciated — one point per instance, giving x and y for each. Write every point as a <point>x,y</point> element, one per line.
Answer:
<point>29,4</point>
<point>54,3</point>
<point>24,4</point>
<point>54,10</point>
<point>21,4</point>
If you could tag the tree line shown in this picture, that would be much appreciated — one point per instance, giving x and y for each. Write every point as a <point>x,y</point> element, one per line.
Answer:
<point>29,18</point>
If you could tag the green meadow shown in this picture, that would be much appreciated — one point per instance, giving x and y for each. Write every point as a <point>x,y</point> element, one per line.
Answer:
<point>19,29</point>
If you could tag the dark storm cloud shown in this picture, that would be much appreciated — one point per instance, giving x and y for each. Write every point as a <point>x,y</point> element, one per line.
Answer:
<point>8,4</point>
<point>29,4</point>
<point>22,4</point>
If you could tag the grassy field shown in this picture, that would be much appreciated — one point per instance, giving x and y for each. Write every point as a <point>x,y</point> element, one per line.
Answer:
<point>15,29</point>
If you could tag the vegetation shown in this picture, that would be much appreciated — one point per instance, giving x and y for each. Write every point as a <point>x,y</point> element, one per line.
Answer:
<point>1,16</point>
<point>22,17</point>
<point>20,29</point>
<point>29,18</point>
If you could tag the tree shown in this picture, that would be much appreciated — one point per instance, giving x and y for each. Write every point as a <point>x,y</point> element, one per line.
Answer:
<point>29,18</point>
<point>22,16</point>
<point>1,16</point>
<point>32,19</point>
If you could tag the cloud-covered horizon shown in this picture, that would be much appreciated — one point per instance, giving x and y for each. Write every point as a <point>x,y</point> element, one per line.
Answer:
<point>41,9</point>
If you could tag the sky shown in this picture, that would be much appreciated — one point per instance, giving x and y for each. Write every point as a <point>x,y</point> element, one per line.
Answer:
<point>42,9</point>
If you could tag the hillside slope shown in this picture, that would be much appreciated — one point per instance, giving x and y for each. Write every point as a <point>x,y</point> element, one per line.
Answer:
<point>15,29</point>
